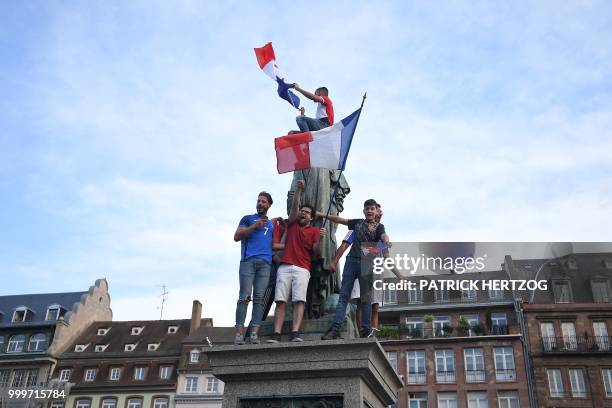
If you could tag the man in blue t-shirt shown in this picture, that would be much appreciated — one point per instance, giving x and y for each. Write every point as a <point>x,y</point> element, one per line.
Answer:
<point>255,232</point>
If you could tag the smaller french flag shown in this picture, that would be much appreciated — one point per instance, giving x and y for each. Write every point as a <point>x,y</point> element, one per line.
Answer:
<point>326,148</point>
<point>267,62</point>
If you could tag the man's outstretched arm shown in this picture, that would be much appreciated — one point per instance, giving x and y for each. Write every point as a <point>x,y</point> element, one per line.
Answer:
<point>332,218</point>
<point>307,94</point>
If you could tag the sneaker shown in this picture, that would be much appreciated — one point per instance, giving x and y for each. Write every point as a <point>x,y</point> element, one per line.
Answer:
<point>373,333</point>
<point>239,339</point>
<point>295,337</point>
<point>331,334</point>
<point>276,338</point>
<point>254,338</point>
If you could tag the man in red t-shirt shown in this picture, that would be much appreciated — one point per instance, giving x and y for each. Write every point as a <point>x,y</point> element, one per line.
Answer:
<point>324,115</point>
<point>302,241</point>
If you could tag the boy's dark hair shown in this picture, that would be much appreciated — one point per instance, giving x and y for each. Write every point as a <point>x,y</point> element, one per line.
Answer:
<point>370,202</point>
<point>267,195</point>
<point>312,210</point>
<point>323,90</point>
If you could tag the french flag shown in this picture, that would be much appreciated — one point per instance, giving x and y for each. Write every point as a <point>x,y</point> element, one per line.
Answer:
<point>267,62</point>
<point>326,148</point>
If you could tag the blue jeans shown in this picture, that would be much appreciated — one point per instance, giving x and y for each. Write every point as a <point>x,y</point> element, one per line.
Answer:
<point>353,270</point>
<point>309,124</point>
<point>254,276</point>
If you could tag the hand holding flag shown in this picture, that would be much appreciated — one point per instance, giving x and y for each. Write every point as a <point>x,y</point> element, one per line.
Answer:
<point>267,62</point>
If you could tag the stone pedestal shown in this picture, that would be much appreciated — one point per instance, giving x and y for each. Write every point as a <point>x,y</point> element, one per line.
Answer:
<point>351,373</point>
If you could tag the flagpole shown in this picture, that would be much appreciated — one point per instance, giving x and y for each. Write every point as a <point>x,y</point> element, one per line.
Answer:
<point>333,196</point>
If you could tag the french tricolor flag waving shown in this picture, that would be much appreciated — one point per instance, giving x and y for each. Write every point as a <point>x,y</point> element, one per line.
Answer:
<point>267,62</point>
<point>326,148</point>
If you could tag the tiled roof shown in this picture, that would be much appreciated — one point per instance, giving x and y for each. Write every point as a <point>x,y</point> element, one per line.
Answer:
<point>38,304</point>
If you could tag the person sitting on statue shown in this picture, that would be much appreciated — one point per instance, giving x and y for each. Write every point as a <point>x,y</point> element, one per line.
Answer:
<point>255,233</point>
<point>356,266</point>
<point>324,116</point>
<point>302,242</point>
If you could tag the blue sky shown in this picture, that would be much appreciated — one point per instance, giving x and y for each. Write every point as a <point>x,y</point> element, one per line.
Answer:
<point>133,136</point>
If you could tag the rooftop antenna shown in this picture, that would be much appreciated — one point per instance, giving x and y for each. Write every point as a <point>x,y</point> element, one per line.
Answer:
<point>164,298</point>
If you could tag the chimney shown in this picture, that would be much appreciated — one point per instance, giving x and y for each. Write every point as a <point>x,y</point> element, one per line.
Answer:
<point>196,317</point>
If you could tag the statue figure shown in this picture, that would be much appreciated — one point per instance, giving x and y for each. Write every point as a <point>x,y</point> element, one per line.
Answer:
<point>319,186</point>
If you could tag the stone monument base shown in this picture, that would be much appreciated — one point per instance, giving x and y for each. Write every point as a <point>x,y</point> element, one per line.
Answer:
<point>350,373</point>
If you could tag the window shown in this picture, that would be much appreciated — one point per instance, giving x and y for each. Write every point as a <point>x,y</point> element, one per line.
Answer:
<point>496,294</point>
<point>570,342</point>
<point>90,374</point>
<point>212,384</point>
<point>194,356</point>
<point>191,384</point>
<point>606,373</point>
<point>441,295</point>
<point>4,378</point>
<point>601,291</point>
<point>152,346</point>
<point>1,344</point>
<point>447,400</point>
<point>83,403</point>
<point>508,399</point>
<point>417,400</point>
<point>136,330</point>
<point>109,403</point>
<point>15,344</point>
<point>576,376</point>
<point>165,372</point>
<point>445,366</point>
<point>54,312</point>
<point>555,383</point>
<point>172,329</point>
<point>21,314</point>
<point>468,294</point>
<point>415,326</point>
<point>474,365</point>
<point>600,330</point>
<point>441,326</point>
<point>38,342</point>
<point>103,331</point>
<point>32,377</point>
<point>57,404</point>
<point>160,403</point>
<point>504,364</point>
<point>562,291</point>
<point>472,320</point>
<point>79,348</point>
<point>392,356</point>
<point>416,367</point>
<point>115,373</point>
<point>134,403</point>
<point>499,323</point>
<point>139,373</point>
<point>100,348</point>
<point>389,297</point>
<point>64,374</point>
<point>549,342</point>
<point>17,378</point>
<point>477,400</point>
<point>415,296</point>
<point>130,347</point>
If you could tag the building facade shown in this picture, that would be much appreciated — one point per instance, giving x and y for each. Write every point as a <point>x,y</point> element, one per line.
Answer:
<point>131,364</point>
<point>36,328</point>
<point>568,328</point>
<point>456,349</point>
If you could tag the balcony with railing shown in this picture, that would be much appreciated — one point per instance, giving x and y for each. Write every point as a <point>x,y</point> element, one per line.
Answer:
<point>407,332</point>
<point>446,377</point>
<point>505,374</point>
<point>474,376</point>
<point>417,378</point>
<point>576,344</point>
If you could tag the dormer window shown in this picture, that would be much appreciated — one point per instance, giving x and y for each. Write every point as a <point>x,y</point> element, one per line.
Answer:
<point>572,264</point>
<point>22,314</point>
<point>607,263</point>
<point>79,348</point>
<point>136,330</point>
<point>152,346</point>
<point>100,348</point>
<point>130,347</point>
<point>172,329</point>
<point>601,291</point>
<point>55,312</point>
<point>103,331</point>
<point>194,356</point>
<point>562,291</point>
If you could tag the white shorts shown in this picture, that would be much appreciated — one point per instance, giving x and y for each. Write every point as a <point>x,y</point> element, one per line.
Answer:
<point>291,279</point>
<point>376,294</point>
